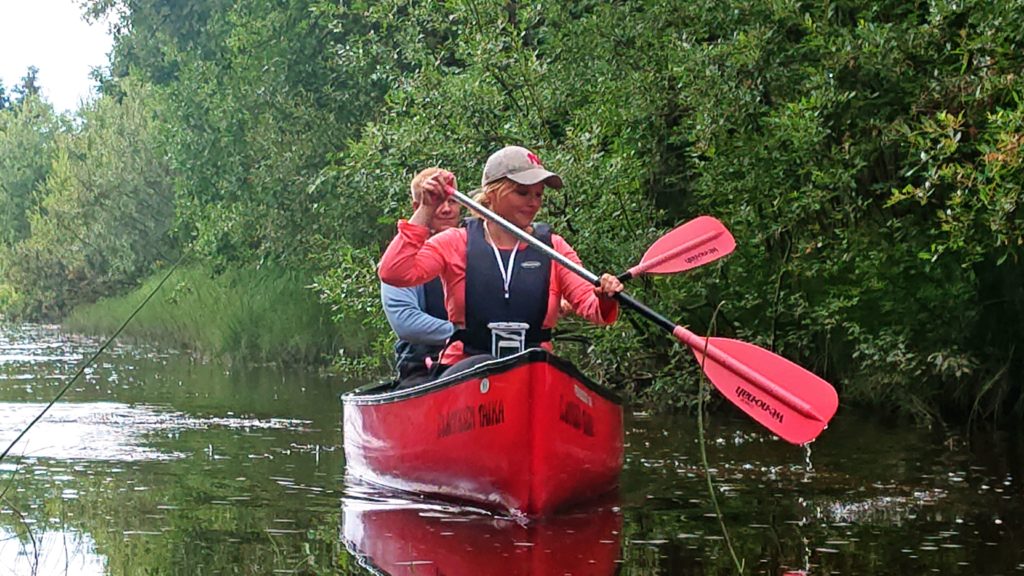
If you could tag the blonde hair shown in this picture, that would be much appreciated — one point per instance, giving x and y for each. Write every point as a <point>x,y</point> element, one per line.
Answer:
<point>494,190</point>
<point>415,187</point>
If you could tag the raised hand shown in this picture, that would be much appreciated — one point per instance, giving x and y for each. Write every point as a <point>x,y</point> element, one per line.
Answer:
<point>432,193</point>
<point>435,189</point>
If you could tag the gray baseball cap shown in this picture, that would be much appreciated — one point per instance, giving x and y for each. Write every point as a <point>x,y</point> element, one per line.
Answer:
<point>519,165</point>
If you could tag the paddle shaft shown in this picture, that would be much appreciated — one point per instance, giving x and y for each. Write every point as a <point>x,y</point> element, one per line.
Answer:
<point>523,235</point>
<point>579,270</point>
<point>700,345</point>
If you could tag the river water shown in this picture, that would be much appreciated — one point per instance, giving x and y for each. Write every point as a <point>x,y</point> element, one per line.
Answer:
<point>156,464</point>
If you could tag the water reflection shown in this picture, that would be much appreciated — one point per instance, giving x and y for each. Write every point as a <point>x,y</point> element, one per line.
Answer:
<point>109,430</point>
<point>157,464</point>
<point>51,552</point>
<point>397,537</point>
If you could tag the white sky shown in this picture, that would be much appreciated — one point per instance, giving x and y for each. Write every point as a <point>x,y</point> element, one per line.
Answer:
<point>52,36</point>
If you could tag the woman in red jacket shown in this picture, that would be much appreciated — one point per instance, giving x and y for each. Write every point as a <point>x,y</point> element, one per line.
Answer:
<point>487,273</point>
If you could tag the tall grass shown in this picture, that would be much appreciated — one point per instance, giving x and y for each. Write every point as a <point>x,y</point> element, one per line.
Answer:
<point>246,315</point>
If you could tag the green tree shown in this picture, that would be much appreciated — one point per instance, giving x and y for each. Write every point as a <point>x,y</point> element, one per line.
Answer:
<point>27,133</point>
<point>29,86</point>
<point>106,211</point>
<point>5,100</point>
<point>150,35</point>
<point>247,196</point>
<point>864,154</point>
<point>253,110</point>
<point>811,130</point>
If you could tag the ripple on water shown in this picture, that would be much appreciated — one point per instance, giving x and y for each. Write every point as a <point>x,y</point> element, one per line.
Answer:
<point>109,431</point>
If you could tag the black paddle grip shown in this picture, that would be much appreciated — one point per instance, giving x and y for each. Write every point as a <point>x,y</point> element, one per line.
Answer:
<point>645,311</point>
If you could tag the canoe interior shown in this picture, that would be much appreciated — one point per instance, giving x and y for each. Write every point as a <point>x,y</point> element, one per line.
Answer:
<point>388,391</point>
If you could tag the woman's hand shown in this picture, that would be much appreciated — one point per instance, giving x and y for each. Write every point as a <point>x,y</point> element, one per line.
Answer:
<point>433,190</point>
<point>564,308</point>
<point>432,193</point>
<point>609,286</point>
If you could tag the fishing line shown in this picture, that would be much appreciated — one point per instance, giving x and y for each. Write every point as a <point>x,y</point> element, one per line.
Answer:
<point>96,355</point>
<point>739,564</point>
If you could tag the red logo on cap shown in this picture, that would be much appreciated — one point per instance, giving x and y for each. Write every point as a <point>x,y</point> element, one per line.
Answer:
<point>533,158</point>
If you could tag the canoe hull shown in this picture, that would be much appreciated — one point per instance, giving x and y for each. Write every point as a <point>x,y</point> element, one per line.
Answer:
<point>526,434</point>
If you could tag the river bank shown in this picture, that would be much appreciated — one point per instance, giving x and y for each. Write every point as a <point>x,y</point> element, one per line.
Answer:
<point>248,316</point>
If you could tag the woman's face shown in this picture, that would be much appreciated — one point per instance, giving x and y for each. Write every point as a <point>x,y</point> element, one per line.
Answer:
<point>446,215</point>
<point>520,205</point>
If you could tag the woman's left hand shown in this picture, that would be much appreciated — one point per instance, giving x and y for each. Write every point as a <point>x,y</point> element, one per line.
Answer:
<point>609,287</point>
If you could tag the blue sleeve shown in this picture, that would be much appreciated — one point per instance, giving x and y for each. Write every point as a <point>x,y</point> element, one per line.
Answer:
<point>404,309</point>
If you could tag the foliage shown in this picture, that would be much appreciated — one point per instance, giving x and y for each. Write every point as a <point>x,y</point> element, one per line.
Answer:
<point>853,280</point>
<point>247,195</point>
<point>348,284</point>
<point>29,87</point>
<point>250,315</point>
<point>148,34</point>
<point>27,133</point>
<point>866,156</point>
<point>253,111</point>
<point>104,213</point>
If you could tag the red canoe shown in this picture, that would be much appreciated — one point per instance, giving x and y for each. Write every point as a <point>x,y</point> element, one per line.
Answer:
<point>524,435</point>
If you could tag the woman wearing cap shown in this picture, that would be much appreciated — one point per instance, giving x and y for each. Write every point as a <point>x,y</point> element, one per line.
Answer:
<point>488,275</point>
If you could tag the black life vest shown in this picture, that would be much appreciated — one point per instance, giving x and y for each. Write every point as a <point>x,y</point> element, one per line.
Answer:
<point>485,289</point>
<point>411,358</point>
<point>434,302</point>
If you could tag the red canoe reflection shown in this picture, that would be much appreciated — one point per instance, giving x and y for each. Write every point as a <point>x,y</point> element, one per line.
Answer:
<point>408,540</point>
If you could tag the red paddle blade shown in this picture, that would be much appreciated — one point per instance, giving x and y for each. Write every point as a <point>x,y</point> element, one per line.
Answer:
<point>695,243</point>
<point>787,399</point>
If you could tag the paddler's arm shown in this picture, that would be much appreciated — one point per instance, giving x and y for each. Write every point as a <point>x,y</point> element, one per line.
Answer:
<point>408,260</point>
<point>404,310</point>
<point>582,295</point>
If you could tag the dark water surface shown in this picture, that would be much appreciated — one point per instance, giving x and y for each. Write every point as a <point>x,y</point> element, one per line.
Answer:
<point>155,464</point>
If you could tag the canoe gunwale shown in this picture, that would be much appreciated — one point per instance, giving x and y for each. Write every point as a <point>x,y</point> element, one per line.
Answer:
<point>369,395</point>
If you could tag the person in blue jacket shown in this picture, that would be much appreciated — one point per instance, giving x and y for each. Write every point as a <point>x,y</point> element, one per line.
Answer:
<point>417,314</point>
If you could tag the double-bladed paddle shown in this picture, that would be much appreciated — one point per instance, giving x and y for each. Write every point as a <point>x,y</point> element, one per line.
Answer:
<point>787,399</point>
<point>695,243</point>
